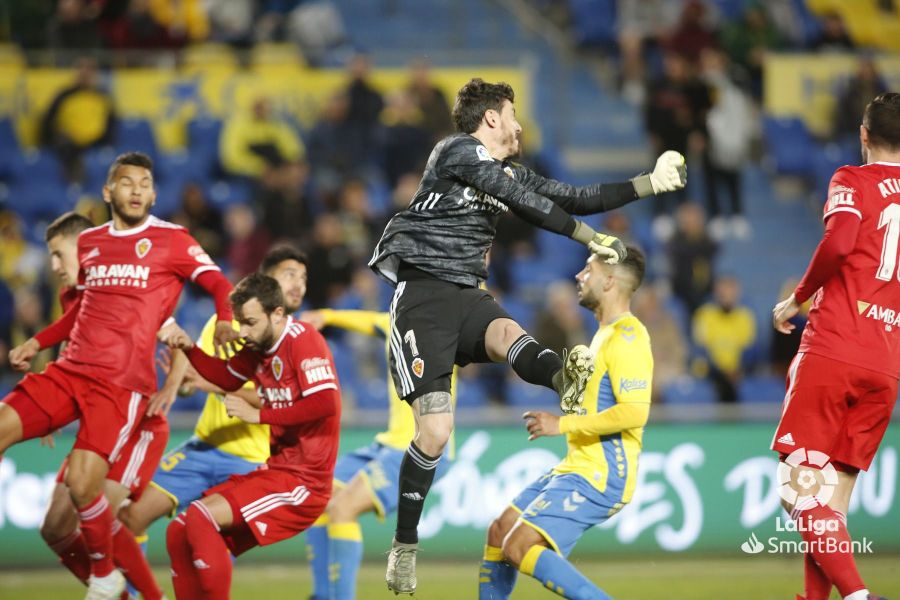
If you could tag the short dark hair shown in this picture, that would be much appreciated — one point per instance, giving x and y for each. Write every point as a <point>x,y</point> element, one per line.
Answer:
<point>882,119</point>
<point>280,253</point>
<point>259,286</point>
<point>135,159</point>
<point>477,97</point>
<point>67,224</point>
<point>635,264</point>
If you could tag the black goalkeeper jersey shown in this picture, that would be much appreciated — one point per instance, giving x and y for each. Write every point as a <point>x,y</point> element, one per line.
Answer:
<point>449,225</point>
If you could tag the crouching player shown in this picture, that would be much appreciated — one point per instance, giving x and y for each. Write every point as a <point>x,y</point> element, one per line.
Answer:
<point>294,372</point>
<point>596,479</point>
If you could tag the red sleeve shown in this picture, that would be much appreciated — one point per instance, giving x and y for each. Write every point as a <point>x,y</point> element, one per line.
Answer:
<point>58,331</point>
<point>837,242</point>
<point>219,288</point>
<point>318,383</point>
<point>229,375</point>
<point>188,258</point>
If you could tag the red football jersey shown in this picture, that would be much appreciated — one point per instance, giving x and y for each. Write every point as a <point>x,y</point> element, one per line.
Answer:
<point>855,315</point>
<point>68,296</point>
<point>131,280</point>
<point>288,378</point>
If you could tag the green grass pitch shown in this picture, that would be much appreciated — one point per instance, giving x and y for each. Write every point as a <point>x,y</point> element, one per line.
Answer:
<point>742,578</point>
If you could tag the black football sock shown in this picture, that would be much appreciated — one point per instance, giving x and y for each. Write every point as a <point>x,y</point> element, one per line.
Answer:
<point>533,362</point>
<point>416,475</point>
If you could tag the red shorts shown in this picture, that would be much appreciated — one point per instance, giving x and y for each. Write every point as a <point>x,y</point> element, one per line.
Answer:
<point>49,400</point>
<point>139,458</point>
<point>836,408</point>
<point>269,505</point>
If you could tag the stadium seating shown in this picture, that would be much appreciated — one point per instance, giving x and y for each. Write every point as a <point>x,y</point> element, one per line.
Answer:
<point>761,389</point>
<point>689,391</point>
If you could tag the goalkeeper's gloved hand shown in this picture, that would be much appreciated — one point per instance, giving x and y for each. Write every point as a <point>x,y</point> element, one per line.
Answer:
<point>669,174</point>
<point>608,247</point>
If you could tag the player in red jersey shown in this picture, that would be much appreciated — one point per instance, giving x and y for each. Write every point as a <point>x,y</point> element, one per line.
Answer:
<point>294,372</point>
<point>842,385</point>
<point>132,272</point>
<point>130,474</point>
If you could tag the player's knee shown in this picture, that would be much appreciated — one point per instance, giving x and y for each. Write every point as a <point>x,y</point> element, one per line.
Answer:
<point>339,512</point>
<point>132,520</point>
<point>82,489</point>
<point>514,549</point>
<point>51,530</point>
<point>496,532</point>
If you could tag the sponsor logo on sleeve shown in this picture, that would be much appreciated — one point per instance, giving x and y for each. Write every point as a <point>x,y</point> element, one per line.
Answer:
<point>316,369</point>
<point>200,255</point>
<point>840,196</point>
<point>630,385</point>
<point>483,153</point>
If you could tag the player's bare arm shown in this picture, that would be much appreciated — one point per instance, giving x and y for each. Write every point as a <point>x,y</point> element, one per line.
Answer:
<point>540,423</point>
<point>224,335</point>
<point>240,408</point>
<point>162,400</point>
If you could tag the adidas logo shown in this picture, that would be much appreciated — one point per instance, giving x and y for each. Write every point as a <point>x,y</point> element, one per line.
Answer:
<point>416,496</point>
<point>261,526</point>
<point>200,564</point>
<point>97,556</point>
<point>92,253</point>
<point>787,439</point>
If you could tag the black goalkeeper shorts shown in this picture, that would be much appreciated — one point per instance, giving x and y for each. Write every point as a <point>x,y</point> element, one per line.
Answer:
<point>434,325</point>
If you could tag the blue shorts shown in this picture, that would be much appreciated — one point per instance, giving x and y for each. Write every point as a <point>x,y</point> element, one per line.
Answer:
<point>188,470</point>
<point>561,507</point>
<point>379,466</point>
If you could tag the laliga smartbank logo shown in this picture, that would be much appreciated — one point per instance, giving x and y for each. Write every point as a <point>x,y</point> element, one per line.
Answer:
<point>806,480</point>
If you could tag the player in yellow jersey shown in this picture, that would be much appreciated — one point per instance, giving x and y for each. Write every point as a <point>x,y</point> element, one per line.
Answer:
<point>596,479</point>
<point>365,480</point>
<point>221,445</point>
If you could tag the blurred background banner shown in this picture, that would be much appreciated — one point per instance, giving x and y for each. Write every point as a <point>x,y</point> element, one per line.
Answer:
<point>702,489</point>
<point>803,86</point>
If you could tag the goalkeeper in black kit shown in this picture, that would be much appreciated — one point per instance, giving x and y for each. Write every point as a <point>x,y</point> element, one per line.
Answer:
<point>433,252</point>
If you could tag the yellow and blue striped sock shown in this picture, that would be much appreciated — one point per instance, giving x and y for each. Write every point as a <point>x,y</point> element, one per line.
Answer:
<point>317,554</point>
<point>496,577</point>
<point>345,550</point>
<point>559,575</point>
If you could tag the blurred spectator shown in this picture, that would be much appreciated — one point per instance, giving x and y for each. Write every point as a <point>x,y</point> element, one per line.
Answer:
<point>691,253</point>
<point>330,263</point>
<point>75,24</point>
<point>618,224</point>
<point>335,146</point>
<point>558,325</point>
<point>247,242</point>
<point>80,116</point>
<point>670,349</point>
<point>231,21</point>
<point>357,222</point>
<point>747,41</point>
<point>407,143</point>
<point>7,316</point>
<point>315,26</point>
<point>257,142</point>
<point>692,35</point>
<point>366,102</point>
<point>430,100</point>
<point>21,262</point>
<point>784,348</point>
<point>284,199</point>
<point>142,24</point>
<point>861,89</point>
<point>833,37</point>
<point>675,113</point>
<point>202,219</point>
<point>724,331</point>
<point>730,126</point>
<point>29,319</point>
<point>641,24</point>
<point>184,21</point>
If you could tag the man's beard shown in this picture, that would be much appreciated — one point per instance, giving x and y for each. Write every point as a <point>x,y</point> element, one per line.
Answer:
<point>128,219</point>
<point>267,340</point>
<point>588,301</point>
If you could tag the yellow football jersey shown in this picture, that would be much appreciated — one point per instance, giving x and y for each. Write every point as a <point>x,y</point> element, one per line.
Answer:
<point>623,372</point>
<point>401,424</point>
<point>229,434</point>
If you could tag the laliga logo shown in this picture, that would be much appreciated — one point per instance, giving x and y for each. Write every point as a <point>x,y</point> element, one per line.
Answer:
<point>800,484</point>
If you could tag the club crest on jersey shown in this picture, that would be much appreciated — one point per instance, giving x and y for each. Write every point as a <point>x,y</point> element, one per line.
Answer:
<point>509,171</point>
<point>418,367</point>
<point>142,247</point>
<point>277,368</point>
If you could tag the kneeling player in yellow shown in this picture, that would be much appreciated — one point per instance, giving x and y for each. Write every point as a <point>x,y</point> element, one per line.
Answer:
<point>596,479</point>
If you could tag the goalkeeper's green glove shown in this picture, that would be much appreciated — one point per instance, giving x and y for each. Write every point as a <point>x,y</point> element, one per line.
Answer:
<point>609,248</point>
<point>669,174</point>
